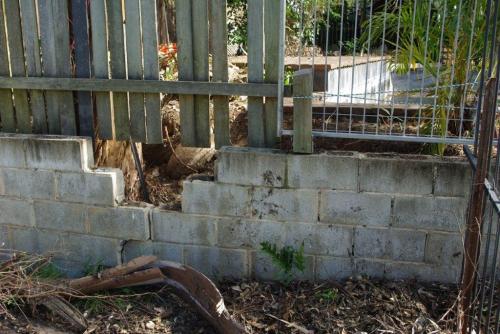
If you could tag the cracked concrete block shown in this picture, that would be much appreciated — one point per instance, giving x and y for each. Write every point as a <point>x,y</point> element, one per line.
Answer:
<point>285,204</point>
<point>324,171</point>
<point>217,263</point>
<point>335,268</point>
<point>216,199</point>
<point>396,176</point>
<point>184,228</point>
<point>127,223</point>
<point>355,208</point>
<point>27,183</point>
<point>321,239</point>
<point>251,166</point>
<point>430,212</point>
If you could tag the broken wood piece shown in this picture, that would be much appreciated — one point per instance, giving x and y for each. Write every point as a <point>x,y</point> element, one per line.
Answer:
<point>65,310</point>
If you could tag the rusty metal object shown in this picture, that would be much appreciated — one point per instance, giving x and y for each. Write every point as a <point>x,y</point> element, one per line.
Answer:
<point>476,205</point>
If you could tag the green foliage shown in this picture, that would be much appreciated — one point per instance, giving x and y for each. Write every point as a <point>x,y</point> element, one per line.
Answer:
<point>289,76</point>
<point>92,269</point>
<point>328,295</point>
<point>48,271</point>
<point>287,259</point>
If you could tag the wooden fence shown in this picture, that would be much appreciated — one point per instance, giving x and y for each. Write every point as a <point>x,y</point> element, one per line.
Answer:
<point>68,66</point>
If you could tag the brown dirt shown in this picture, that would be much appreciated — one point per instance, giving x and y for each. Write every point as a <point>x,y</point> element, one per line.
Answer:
<point>356,306</point>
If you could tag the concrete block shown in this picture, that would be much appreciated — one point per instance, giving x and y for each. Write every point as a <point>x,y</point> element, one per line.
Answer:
<point>217,263</point>
<point>60,216</point>
<point>251,166</point>
<point>164,251</point>
<point>355,208</point>
<point>26,183</point>
<point>101,187</point>
<point>285,204</point>
<point>407,245</point>
<point>126,223</point>
<point>371,242</point>
<point>250,233</point>
<point>444,249</point>
<point>324,171</point>
<point>328,268</point>
<point>12,151</point>
<point>429,212</point>
<point>5,239</point>
<point>369,268</point>
<point>263,268</point>
<point>92,250</point>
<point>184,228</point>
<point>59,153</point>
<point>210,198</point>
<point>26,240</point>
<point>453,179</point>
<point>321,239</point>
<point>422,272</point>
<point>16,212</point>
<point>396,176</point>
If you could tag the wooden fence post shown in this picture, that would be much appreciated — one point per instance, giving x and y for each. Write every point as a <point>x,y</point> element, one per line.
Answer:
<point>302,111</point>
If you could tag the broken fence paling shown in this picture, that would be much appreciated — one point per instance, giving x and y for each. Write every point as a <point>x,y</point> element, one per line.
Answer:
<point>117,40</point>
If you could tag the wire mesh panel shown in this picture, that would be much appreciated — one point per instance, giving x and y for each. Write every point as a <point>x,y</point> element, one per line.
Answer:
<point>408,70</point>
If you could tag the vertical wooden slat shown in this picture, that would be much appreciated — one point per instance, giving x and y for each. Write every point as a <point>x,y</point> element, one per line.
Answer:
<point>256,132</point>
<point>29,23</point>
<point>184,30</point>
<point>134,65</point>
<point>54,35</point>
<point>118,67</point>
<point>302,111</point>
<point>80,21</point>
<point>101,67</point>
<point>16,51</point>
<point>218,29</point>
<point>201,70</point>
<point>272,69</point>
<point>7,108</point>
<point>151,70</point>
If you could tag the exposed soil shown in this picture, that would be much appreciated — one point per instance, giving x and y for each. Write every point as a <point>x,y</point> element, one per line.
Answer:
<point>356,306</point>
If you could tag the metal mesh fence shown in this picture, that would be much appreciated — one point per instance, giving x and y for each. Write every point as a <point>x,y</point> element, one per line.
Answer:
<point>408,70</point>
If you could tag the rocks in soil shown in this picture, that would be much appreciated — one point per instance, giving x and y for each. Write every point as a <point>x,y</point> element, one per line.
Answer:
<point>189,160</point>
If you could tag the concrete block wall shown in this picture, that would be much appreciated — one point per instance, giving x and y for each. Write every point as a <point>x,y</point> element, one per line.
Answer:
<point>376,215</point>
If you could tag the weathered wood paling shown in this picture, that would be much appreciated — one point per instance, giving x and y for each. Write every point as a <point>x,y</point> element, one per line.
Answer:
<point>201,71</point>
<point>151,71</point>
<point>185,61</point>
<point>302,111</point>
<point>7,110</point>
<point>116,46</point>
<point>220,71</point>
<point>134,65</point>
<point>54,35</point>
<point>101,67</point>
<point>256,132</point>
<point>82,64</point>
<point>31,40</point>
<point>16,51</point>
<point>271,67</point>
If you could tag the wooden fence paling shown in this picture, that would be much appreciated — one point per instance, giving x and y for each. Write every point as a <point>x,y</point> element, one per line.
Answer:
<point>16,51</point>
<point>185,61</point>
<point>220,71</point>
<point>101,67</point>
<point>56,63</point>
<point>151,71</point>
<point>82,61</point>
<point>302,111</point>
<point>7,109</point>
<point>272,68</point>
<point>118,68</point>
<point>256,132</point>
<point>201,71</point>
<point>29,23</point>
<point>134,64</point>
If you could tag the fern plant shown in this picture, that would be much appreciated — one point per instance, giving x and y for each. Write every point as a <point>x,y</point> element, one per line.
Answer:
<point>287,259</point>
